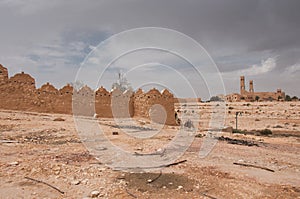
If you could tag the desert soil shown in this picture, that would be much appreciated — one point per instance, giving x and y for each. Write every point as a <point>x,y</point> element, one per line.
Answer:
<point>47,148</point>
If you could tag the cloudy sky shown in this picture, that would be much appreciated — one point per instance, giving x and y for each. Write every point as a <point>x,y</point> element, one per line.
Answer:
<point>258,39</point>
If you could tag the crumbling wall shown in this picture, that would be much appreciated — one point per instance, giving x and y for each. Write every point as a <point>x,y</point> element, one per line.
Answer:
<point>64,103</point>
<point>84,102</point>
<point>103,103</point>
<point>187,100</point>
<point>3,75</point>
<point>47,98</point>
<point>19,93</point>
<point>145,103</point>
<point>122,104</point>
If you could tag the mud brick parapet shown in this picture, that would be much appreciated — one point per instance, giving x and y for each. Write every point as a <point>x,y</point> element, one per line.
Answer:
<point>143,102</point>
<point>20,93</point>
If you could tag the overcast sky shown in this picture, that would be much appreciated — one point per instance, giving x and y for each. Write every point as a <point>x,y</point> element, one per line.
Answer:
<point>258,39</point>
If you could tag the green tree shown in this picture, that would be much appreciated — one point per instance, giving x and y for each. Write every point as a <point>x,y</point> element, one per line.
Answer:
<point>288,98</point>
<point>295,98</point>
<point>215,99</point>
<point>256,98</point>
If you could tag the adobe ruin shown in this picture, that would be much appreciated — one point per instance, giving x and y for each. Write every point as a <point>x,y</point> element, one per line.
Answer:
<point>20,93</point>
<point>250,95</point>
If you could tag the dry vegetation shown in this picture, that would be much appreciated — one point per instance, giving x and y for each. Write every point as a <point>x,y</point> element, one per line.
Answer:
<point>46,148</point>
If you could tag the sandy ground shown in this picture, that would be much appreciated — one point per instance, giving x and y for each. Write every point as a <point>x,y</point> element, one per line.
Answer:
<point>34,146</point>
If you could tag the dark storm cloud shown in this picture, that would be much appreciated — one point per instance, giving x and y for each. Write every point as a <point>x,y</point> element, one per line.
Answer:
<point>239,35</point>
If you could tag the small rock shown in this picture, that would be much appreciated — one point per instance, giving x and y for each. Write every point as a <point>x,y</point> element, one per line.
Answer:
<point>14,163</point>
<point>179,187</point>
<point>85,181</point>
<point>101,169</point>
<point>33,170</point>
<point>149,180</point>
<point>142,122</point>
<point>59,119</point>
<point>56,168</point>
<point>75,182</point>
<point>94,194</point>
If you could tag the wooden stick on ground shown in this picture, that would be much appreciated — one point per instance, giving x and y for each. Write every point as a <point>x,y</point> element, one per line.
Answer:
<point>175,163</point>
<point>160,166</point>
<point>8,141</point>
<point>134,196</point>
<point>156,178</point>
<point>209,196</point>
<point>254,166</point>
<point>39,181</point>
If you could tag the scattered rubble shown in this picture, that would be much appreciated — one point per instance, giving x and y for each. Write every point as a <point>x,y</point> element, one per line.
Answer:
<point>94,194</point>
<point>50,153</point>
<point>237,141</point>
<point>59,119</point>
<point>75,182</point>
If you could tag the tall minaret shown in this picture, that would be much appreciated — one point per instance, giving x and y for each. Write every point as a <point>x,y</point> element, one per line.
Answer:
<point>242,83</point>
<point>251,89</point>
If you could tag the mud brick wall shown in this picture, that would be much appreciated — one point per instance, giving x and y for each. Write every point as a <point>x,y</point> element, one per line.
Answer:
<point>122,104</point>
<point>64,104</point>
<point>84,102</point>
<point>103,103</point>
<point>144,102</point>
<point>3,75</point>
<point>20,93</point>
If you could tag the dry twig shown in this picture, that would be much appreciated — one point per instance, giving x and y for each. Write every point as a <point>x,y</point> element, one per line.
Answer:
<point>209,196</point>
<point>254,166</point>
<point>134,196</point>
<point>160,166</point>
<point>173,164</point>
<point>156,178</point>
<point>39,181</point>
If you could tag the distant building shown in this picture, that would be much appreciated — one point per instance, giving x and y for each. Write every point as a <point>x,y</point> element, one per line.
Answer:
<point>122,84</point>
<point>250,95</point>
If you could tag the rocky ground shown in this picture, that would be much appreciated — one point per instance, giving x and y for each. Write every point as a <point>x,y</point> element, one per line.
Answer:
<point>43,157</point>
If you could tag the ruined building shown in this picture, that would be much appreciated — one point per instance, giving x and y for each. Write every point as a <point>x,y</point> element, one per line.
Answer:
<point>20,93</point>
<point>250,95</point>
